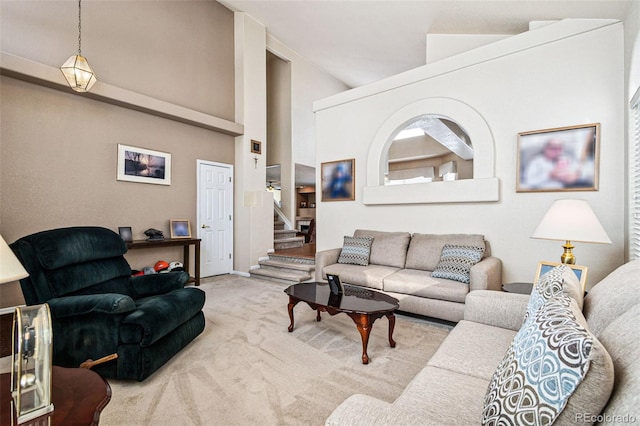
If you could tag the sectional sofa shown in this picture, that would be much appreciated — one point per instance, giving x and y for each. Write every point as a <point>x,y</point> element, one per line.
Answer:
<point>403,265</point>
<point>520,359</point>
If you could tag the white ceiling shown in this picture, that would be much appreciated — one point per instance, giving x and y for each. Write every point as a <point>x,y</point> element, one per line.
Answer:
<point>361,41</point>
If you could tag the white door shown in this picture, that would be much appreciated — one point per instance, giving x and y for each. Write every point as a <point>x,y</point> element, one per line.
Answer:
<point>215,214</point>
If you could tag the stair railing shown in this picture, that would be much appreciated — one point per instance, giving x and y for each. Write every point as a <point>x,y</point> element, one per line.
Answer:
<point>282,216</point>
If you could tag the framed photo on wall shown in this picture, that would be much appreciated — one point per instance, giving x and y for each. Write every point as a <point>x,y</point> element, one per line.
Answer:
<point>338,181</point>
<point>180,228</point>
<point>256,147</point>
<point>580,271</point>
<point>143,165</point>
<point>560,159</point>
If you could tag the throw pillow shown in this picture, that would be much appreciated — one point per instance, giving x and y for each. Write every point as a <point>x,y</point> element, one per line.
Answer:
<point>558,280</point>
<point>356,250</point>
<point>456,262</point>
<point>547,360</point>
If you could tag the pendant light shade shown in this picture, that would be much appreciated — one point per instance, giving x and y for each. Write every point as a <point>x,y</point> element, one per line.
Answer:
<point>78,73</point>
<point>76,69</point>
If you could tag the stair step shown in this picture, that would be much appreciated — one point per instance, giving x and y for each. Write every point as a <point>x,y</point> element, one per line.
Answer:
<point>292,259</point>
<point>278,225</point>
<point>287,243</point>
<point>278,264</point>
<point>279,275</point>
<point>284,233</point>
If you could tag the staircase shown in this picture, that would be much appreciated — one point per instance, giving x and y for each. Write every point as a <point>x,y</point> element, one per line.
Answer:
<point>285,269</point>
<point>285,238</point>
<point>282,266</point>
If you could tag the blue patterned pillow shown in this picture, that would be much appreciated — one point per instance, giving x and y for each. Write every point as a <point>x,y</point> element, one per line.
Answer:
<point>547,360</point>
<point>456,262</point>
<point>356,250</point>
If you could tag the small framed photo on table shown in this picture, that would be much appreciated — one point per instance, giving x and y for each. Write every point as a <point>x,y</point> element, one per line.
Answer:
<point>545,266</point>
<point>180,228</point>
<point>125,233</point>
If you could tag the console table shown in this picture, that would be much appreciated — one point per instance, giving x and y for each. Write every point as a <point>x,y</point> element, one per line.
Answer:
<point>172,242</point>
<point>78,395</point>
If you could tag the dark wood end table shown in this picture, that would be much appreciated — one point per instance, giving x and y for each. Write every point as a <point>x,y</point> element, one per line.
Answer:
<point>78,395</point>
<point>362,305</point>
<point>520,288</point>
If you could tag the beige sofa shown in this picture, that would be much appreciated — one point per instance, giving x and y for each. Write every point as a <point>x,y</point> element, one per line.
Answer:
<point>400,264</point>
<point>452,389</point>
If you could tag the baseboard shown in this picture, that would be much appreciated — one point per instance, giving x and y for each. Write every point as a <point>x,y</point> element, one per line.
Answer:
<point>242,274</point>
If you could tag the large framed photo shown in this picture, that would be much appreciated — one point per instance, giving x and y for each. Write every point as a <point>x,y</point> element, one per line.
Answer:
<point>338,182</point>
<point>580,271</point>
<point>560,159</point>
<point>143,165</point>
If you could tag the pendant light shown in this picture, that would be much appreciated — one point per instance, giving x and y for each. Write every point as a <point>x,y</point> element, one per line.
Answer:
<point>76,69</point>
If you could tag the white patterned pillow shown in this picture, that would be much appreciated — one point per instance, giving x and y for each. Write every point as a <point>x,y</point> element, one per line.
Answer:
<point>558,280</point>
<point>546,362</point>
<point>456,262</point>
<point>356,250</point>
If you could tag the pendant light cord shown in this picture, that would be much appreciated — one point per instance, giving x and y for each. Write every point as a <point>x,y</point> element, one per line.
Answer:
<point>79,27</point>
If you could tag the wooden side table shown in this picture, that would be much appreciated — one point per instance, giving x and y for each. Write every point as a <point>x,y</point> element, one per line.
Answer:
<point>172,242</point>
<point>78,396</point>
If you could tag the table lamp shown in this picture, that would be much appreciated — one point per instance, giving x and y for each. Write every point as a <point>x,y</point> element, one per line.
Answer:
<point>571,220</point>
<point>31,358</point>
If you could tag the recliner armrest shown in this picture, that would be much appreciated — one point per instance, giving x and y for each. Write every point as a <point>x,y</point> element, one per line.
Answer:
<point>496,308</point>
<point>106,303</point>
<point>326,258</point>
<point>152,284</point>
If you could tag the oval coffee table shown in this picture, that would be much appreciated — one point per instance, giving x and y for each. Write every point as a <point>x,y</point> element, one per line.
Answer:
<point>362,305</point>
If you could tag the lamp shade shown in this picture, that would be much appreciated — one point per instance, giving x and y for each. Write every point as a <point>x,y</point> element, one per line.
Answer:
<point>571,220</point>
<point>10,267</point>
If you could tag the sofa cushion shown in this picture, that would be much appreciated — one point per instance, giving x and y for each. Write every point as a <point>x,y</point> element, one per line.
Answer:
<point>456,262</point>
<point>355,250</point>
<point>439,397</point>
<point>367,276</point>
<point>473,349</point>
<point>422,284</point>
<point>611,298</point>
<point>425,249</point>
<point>546,367</point>
<point>388,248</point>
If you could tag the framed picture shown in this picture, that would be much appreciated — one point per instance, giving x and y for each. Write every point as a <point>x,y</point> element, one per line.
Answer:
<point>580,271</point>
<point>338,182</point>
<point>125,233</point>
<point>180,228</point>
<point>561,159</point>
<point>143,165</point>
<point>256,147</point>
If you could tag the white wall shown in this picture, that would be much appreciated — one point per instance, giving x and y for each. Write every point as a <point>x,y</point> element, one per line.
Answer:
<point>253,207</point>
<point>533,84</point>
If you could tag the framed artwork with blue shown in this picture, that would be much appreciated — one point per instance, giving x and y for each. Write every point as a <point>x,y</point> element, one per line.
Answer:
<point>580,271</point>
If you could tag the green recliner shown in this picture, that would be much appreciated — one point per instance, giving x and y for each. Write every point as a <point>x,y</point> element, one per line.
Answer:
<point>98,308</point>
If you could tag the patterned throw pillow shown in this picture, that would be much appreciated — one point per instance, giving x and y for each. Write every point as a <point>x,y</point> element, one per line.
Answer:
<point>456,262</point>
<point>356,250</point>
<point>547,360</point>
<point>558,280</point>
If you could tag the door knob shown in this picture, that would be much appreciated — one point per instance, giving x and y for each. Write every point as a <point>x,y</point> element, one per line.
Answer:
<point>205,226</point>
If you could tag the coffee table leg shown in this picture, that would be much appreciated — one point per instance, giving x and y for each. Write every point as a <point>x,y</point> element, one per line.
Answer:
<point>363,323</point>
<point>292,302</point>
<point>392,324</point>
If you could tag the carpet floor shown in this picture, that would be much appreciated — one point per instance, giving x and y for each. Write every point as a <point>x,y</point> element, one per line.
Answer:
<point>246,369</point>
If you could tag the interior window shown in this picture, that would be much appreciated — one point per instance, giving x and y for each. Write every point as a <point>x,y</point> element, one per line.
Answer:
<point>429,148</point>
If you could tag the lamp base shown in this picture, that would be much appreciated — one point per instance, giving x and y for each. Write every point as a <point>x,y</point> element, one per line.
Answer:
<point>568,257</point>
